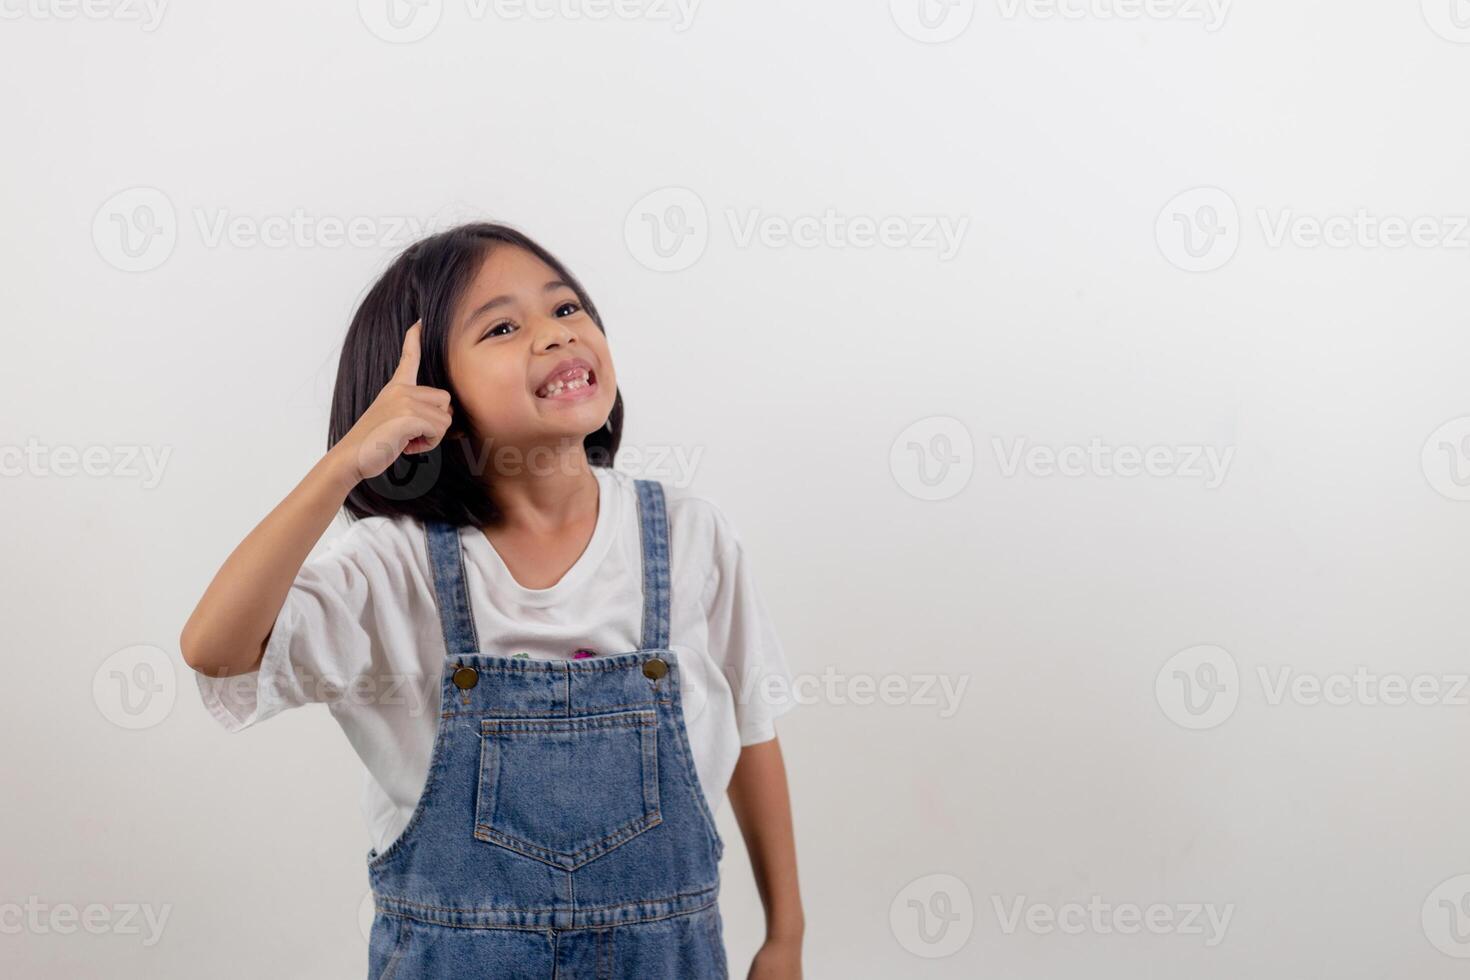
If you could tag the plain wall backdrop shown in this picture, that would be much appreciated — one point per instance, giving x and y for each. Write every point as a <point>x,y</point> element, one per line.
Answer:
<point>1086,379</point>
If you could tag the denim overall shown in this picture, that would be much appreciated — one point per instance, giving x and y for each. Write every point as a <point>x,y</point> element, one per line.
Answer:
<point>562,831</point>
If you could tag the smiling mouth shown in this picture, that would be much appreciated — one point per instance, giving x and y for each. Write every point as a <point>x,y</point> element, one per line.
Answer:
<point>568,384</point>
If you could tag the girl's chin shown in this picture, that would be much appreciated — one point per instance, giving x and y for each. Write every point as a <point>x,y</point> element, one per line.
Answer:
<point>572,423</point>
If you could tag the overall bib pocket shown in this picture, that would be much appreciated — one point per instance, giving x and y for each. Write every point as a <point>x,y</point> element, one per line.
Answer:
<point>567,790</point>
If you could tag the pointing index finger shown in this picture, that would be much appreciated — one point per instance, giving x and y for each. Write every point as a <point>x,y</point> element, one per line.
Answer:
<point>407,371</point>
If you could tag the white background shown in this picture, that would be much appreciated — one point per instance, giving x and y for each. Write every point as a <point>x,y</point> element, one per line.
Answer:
<point>1084,758</point>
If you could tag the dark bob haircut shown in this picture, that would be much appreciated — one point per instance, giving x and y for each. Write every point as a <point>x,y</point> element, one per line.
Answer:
<point>426,282</point>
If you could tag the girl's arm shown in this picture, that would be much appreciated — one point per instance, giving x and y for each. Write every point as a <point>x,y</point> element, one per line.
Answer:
<point>762,806</point>
<point>231,626</point>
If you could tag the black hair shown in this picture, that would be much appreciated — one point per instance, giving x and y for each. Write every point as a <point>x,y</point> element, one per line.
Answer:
<point>425,282</point>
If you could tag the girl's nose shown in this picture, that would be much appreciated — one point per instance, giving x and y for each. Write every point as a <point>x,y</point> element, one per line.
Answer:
<point>552,332</point>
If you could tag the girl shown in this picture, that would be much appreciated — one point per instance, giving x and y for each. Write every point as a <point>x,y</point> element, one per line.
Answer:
<point>551,671</point>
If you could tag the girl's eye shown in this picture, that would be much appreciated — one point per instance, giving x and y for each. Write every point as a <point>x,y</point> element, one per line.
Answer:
<point>495,331</point>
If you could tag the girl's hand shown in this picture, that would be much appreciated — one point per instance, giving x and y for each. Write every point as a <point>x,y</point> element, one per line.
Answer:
<point>406,417</point>
<point>778,959</point>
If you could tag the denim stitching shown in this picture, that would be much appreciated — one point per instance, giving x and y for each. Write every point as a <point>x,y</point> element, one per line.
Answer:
<point>548,910</point>
<point>396,956</point>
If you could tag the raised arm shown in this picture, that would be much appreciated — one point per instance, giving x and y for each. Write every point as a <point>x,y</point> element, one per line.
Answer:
<point>230,627</point>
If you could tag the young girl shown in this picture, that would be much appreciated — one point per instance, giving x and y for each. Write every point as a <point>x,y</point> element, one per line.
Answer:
<point>551,671</point>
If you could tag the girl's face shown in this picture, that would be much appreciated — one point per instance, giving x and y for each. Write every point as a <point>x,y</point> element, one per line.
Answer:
<point>528,363</point>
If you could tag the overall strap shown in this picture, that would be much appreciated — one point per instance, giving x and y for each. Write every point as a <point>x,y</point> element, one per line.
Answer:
<point>446,560</point>
<point>653,524</point>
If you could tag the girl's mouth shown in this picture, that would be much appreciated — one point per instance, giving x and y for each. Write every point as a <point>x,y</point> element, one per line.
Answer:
<point>571,385</point>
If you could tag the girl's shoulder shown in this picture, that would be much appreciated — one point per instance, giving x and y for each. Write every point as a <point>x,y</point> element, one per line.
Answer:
<point>372,542</point>
<point>696,521</point>
<point>707,553</point>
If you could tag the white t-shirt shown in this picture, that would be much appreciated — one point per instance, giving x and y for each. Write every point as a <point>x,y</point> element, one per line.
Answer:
<point>360,631</point>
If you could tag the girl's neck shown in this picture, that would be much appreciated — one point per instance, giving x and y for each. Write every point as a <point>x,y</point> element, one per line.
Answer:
<point>547,491</point>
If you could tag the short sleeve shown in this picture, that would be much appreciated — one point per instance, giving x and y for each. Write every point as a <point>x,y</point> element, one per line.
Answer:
<point>320,644</point>
<point>744,644</point>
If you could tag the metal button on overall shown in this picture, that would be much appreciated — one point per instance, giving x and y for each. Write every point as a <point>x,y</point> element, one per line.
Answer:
<point>466,678</point>
<point>655,667</point>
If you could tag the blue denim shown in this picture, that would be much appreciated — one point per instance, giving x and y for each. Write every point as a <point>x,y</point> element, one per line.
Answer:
<point>562,830</point>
